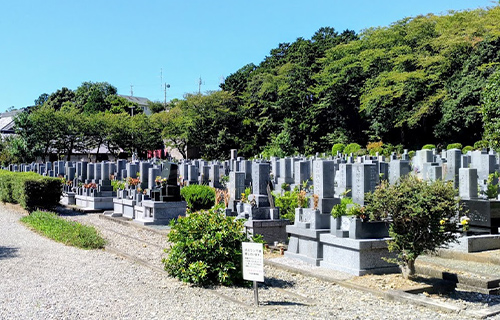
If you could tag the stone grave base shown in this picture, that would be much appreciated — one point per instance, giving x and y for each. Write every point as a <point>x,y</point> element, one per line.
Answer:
<point>124,207</point>
<point>95,203</point>
<point>271,230</point>
<point>356,256</point>
<point>156,212</point>
<point>68,199</point>
<point>477,243</point>
<point>129,208</point>
<point>304,244</point>
<point>117,208</point>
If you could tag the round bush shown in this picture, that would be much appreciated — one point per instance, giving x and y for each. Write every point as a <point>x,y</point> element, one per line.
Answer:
<point>481,144</point>
<point>338,147</point>
<point>467,149</point>
<point>206,248</point>
<point>352,148</point>
<point>429,147</point>
<point>198,197</point>
<point>454,146</point>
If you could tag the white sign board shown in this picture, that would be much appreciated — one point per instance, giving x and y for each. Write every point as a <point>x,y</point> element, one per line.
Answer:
<point>253,261</point>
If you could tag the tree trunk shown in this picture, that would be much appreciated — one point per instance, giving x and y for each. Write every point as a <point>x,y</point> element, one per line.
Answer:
<point>408,269</point>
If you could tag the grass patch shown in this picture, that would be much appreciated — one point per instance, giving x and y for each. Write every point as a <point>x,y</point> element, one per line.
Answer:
<point>68,232</point>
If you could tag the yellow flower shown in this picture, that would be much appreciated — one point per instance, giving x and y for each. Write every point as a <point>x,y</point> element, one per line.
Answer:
<point>464,222</point>
<point>442,222</point>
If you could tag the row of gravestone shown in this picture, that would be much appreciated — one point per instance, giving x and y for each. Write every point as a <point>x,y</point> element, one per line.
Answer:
<point>338,176</point>
<point>359,175</point>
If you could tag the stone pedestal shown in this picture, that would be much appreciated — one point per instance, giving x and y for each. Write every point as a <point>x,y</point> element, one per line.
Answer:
<point>154,212</point>
<point>271,230</point>
<point>304,244</point>
<point>68,198</point>
<point>356,256</point>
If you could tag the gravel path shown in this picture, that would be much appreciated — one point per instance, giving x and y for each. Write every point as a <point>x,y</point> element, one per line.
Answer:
<point>42,279</point>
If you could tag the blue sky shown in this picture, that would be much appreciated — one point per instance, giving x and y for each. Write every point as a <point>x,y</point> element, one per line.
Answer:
<point>47,45</point>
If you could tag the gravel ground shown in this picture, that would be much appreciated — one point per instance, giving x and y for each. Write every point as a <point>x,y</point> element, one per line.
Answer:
<point>42,279</point>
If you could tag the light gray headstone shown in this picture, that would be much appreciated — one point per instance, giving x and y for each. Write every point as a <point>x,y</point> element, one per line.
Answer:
<point>364,179</point>
<point>467,186</point>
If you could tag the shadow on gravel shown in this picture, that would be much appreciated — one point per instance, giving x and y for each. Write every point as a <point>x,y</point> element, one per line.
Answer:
<point>278,283</point>
<point>282,303</point>
<point>476,297</point>
<point>8,252</point>
<point>62,211</point>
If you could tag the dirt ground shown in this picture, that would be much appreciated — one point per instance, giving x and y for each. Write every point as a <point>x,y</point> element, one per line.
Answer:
<point>378,282</point>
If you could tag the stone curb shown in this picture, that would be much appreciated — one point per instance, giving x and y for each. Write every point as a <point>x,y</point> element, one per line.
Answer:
<point>132,224</point>
<point>122,221</point>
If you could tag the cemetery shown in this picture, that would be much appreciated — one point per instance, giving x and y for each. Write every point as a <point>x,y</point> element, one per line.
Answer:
<point>148,193</point>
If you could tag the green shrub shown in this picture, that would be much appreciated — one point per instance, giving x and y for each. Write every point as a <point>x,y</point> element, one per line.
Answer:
<point>492,185</point>
<point>411,153</point>
<point>198,197</point>
<point>481,144</point>
<point>206,248</point>
<point>118,184</point>
<point>6,187</point>
<point>31,190</point>
<point>454,146</point>
<point>429,147</point>
<point>287,202</point>
<point>422,216</point>
<point>68,232</point>
<point>374,147</point>
<point>467,149</point>
<point>352,148</point>
<point>338,147</point>
<point>340,209</point>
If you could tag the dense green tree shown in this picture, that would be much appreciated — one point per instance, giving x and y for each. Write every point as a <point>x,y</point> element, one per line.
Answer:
<point>25,145</point>
<point>92,96</point>
<point>58,98</point>
<point>117,104</point>
<point>156,106</point>
<point>41,99</point>
<point>176,127</point>
<point>419,80</point>
<point>491,111</point>
<point>145,134</point>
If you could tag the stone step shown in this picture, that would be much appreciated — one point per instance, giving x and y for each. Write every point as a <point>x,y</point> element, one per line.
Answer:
<point>490,256</point>
<point>465,278</point>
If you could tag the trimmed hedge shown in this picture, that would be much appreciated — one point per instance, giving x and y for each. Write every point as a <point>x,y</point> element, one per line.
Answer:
<point>198,197</point>
<point>31,190</point>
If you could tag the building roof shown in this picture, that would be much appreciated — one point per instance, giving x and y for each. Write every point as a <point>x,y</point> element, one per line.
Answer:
<point>139,100</point>
<point>7,121</point>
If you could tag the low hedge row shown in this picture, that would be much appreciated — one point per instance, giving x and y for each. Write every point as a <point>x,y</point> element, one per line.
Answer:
<point>31,190</point>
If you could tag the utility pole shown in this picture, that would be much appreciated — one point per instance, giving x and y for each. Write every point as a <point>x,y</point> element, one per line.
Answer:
<point>199,85</point>
<point>165,92</point>
<point>131,90</point>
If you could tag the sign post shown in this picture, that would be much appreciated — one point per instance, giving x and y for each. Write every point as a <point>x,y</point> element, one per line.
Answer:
<point>253,265</point>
